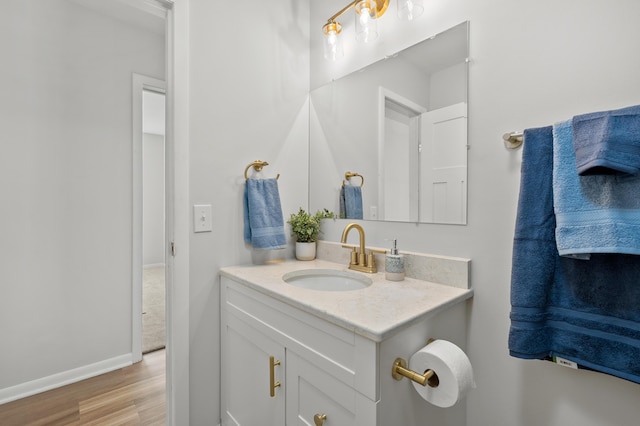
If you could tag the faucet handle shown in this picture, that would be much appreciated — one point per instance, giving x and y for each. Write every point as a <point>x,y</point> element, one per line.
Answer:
<point>371,259</point>
<point>379,251</point>
<point>354,253</point>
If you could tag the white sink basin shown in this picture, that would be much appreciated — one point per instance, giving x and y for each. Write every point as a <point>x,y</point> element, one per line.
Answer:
<point>327,280</point>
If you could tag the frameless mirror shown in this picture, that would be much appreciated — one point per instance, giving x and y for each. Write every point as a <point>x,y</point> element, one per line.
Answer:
<point>401,124</point>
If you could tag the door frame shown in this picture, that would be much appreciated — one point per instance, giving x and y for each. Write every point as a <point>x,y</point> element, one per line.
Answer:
<point>140,83</point>
<point>177,212</point>
<point>176,205</point>
<point>385,94</point>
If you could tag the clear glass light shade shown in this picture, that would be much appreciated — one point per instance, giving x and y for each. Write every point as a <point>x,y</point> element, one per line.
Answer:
<point>366,21</point>
<point>333,49</point>
<point>410,9</point>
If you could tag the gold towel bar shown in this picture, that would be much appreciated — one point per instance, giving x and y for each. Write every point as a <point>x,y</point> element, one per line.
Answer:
<point>257,166</point>
<point>349,175</point>
<point>513,140</point>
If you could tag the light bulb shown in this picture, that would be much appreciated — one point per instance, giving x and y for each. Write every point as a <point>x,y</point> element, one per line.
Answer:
<point>364,17</point>
<point>333,42</point>
<point>366,22</point>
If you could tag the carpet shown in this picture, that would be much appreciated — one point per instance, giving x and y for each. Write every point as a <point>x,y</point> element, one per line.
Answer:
<point>153,309</point>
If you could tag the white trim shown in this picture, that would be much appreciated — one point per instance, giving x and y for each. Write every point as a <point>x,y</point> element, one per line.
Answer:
<point>178,213</point>
<point>383,95</point>
<point>139,83</point>
<point>64,378</point>
<point>153,265</point>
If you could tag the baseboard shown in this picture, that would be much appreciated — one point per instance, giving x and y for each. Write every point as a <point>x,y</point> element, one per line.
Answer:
<point>61,379</point>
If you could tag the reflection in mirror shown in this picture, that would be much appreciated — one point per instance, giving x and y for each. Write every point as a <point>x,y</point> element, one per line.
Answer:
<point>401,123</point>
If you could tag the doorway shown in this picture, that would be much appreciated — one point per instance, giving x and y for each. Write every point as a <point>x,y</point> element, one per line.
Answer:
<point>398,144</point>
<point>153,220</point>
<point>149,223</point>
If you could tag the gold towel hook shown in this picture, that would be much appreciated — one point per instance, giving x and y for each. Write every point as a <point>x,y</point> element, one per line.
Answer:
<point>257,166</point>
<point>349,175</point>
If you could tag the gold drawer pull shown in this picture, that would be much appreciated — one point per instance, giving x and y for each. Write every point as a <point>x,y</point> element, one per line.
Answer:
<point>272,376</point>
<point>319,419</point>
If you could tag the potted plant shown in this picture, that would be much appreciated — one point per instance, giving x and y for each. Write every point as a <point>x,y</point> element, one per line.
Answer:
<point>306,228</point>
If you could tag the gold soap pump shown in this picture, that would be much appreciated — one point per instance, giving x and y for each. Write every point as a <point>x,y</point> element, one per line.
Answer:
<point>394,264</point>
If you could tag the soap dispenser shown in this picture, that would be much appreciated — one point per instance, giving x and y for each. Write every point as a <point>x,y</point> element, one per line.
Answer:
<point>394,264</point>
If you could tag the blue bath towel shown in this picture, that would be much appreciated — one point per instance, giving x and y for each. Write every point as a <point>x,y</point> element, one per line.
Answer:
<point>587,312</point>
<point>608,142</point>
<point>263,222</point>
<point>351,202</point>
<point>343,207</point>
<point>594,214</point>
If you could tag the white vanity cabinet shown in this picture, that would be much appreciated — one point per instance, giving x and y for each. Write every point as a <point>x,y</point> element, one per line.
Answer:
<point>315,365</point>
<point>332,352</point>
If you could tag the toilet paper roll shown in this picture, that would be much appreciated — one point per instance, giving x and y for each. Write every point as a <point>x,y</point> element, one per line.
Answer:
<point>452,367</point>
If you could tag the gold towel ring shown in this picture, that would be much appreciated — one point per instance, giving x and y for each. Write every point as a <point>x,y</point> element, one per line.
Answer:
<point>349,175</point>
<point>257,166</point>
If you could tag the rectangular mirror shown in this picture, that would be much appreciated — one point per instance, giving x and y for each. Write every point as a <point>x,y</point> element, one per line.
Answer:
<point>401,125</point>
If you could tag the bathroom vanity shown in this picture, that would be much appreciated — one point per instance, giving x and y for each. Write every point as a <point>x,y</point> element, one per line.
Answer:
<point>303,356</point>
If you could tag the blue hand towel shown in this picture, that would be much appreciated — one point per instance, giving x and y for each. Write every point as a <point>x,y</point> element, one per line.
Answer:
<point>353,201</point>
<point>594,214</point>
<point>608,142</point>
<point>263,222</point>
<point>587,312</point>
<point>343,208</point>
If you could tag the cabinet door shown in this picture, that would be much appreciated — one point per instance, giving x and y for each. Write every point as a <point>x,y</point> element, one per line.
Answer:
<point>311,391</point>
<point>246,382</point>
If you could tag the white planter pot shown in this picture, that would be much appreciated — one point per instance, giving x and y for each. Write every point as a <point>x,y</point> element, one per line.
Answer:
<point>305,251</point>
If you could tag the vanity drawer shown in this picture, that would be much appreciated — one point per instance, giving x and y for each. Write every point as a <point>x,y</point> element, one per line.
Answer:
<point>327,345</point>
<point>312,392</point>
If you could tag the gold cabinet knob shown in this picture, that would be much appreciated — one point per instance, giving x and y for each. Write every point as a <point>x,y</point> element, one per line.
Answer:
<point>319,419</point>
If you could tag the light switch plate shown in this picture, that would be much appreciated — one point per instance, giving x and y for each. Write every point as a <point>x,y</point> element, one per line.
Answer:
<point>202,218</point>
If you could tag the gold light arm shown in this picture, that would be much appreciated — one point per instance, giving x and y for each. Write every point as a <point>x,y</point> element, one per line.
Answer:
<point>382,6</point>
<point>342,11</point>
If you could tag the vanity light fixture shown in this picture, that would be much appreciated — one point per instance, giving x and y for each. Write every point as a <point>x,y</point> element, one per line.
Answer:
<point>367,13</point>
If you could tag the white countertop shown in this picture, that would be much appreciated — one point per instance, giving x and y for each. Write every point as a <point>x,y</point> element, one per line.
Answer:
<point>375,312</point>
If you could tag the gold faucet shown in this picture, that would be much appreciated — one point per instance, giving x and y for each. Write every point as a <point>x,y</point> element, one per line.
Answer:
<point>360,261</point>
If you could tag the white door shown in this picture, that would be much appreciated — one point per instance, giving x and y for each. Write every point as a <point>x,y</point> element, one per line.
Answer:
<point>443,165</point>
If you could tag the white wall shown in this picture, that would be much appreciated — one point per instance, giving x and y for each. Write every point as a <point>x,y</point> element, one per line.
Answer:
<point>65,180</point>
<point>152,199</point>
<point>448,87</point>
<point>532,63</point>
<point>249,79</point>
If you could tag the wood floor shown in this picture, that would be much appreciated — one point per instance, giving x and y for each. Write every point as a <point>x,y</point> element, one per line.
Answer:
<point>134,395</point>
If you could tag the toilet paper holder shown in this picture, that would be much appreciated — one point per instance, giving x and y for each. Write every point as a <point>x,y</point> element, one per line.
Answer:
<point>400,370</point>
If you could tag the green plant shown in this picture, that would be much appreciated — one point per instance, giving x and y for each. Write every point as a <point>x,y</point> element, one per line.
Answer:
<point>306,227</point>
